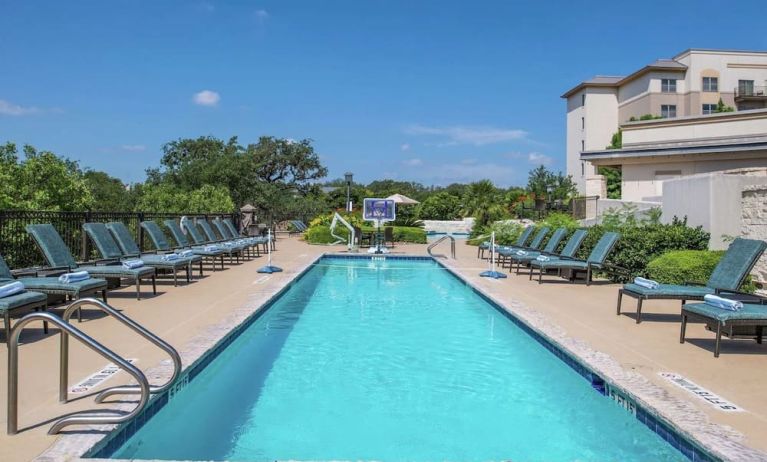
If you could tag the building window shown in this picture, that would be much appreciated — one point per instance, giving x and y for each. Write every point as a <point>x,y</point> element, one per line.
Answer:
<point>668,111</point>
<point>711,84</point>
<point>583,99</point>
<point>583,169</point>
<point>583,123</point>
<point>668,85</point>
<point>709,108</point>
<point>583,145</point>
<point>745,88</point>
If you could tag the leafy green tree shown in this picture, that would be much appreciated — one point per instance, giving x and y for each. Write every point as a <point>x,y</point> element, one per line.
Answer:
<point>543,183</point>
<point>385,188</point>
<point>483,201</point>
<point>721,107</point>
<point>168,198</point>
<point>616,142</point>
<point>109,193</point>
<point>440,206</point>
<point>613,176</point>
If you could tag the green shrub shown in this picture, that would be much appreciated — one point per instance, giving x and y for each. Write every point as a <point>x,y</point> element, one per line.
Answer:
<point>409,234</point>
<point>320,234</point>
<point>559,220</point>
<point>682,266</point>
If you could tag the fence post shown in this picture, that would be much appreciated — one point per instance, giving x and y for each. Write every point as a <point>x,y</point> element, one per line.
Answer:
<point>85,252</point>
<point>140,231</point>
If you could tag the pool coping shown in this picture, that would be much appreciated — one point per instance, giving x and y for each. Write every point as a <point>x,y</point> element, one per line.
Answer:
<point>671,417</point>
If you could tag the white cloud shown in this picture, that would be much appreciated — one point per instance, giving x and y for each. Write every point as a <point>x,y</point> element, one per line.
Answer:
<point>477,136</point>
<point>261,15</point>
<point>206,98</point>
<point>133,147</point>
<point>206,6</point>
<point>413,162</point>
<point>539,159</point>
<point>404,147</point>
<point>464,171</point>
<point>8,108</point>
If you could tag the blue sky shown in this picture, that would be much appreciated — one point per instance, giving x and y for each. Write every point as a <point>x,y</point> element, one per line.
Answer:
<point>431,91</point>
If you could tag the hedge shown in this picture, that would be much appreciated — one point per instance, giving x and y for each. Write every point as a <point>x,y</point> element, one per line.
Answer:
<point>682,266</point>
<point>320,234</point>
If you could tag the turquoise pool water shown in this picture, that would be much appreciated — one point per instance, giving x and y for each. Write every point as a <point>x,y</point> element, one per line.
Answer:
<point>390,361</point>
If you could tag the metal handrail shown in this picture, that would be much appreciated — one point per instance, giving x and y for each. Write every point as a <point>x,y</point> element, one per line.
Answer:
<point>125,389</point>
<point>435,243</point>
<point>65,327</point>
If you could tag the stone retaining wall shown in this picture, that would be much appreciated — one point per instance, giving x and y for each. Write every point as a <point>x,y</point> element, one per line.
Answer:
<point>754,225</point>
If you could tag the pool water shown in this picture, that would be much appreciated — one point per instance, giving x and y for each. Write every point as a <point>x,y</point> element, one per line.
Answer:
<point>392,360</point>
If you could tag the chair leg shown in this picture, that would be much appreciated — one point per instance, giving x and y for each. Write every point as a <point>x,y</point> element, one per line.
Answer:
<point>620,299</point>
<point>201,267</point>
<point>45,323</point>
<point>684,328</point>
<point>104,295</point>
<point>154,284</point>
<point>138,288</point>
<point>759,335</point>
<point>7,325</point>
<point>639,310</point>
<point>540,275</point>
<point>175,277</point>
<point>718,339</point>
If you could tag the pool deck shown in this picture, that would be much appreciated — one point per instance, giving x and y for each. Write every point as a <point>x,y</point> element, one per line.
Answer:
<point>581,318</point>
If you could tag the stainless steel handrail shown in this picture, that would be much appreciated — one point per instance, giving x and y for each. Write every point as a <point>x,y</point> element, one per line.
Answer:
<point>125,389</point>
<point>435,243</point>
<point>65,327</point>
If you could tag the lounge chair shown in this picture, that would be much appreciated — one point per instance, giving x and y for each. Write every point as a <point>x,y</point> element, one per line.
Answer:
<point>262,239</point>
<point>388,236</point>
<point>728,276</point>
<point>747,322</point>
<point>27,300</point>
<point>529,255</point>
<point>162,245</point>
<point>183,242</point>
<point>110,250</point>
<point>568,252</point>
<point>250,243</point>
<point>50,285</point>
<point>203,234</point>
<point>507,251</point>
<point>130,248</point>
<point>58,256</point>
<point>519,243</point>
<point>300,227</point>
<point>596,260</point>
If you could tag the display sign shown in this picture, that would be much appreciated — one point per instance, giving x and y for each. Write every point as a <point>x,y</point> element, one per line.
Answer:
<point>379,209</point>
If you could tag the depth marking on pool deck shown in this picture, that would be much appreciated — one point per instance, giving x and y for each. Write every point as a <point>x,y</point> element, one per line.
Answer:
<point>691,387</point>
<point>98,378</point>
<point>261,280</point>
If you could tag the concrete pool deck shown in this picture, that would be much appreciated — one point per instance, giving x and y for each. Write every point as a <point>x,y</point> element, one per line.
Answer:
<point>194,317</point>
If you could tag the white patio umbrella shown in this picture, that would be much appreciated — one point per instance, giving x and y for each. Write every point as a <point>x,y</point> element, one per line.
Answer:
<point>402,199</point>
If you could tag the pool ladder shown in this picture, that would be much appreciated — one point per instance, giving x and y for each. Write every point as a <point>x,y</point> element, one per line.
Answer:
<point>142,388</point>
<point>435,243</point>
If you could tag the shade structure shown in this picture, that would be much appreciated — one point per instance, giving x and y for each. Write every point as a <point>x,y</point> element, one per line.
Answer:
<point>402,199</point>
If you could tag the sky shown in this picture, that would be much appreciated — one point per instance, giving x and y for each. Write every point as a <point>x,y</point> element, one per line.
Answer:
<point>429,91</point>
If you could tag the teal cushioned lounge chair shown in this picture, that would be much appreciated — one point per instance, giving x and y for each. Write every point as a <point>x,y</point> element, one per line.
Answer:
<point>507,251</point>
<point>519,243</point>
<point>247,243</point>
<point>52,286</point>
<point>728,276</point>
<point>199,237</point>
<point>58,256</point>
<point>748,322</point>
<point>596,260</point>
<point>264,240</point>
<point>27,300</point>
<point>130,249</point>
<point>183,242</point>
<point>549,249</point>
<point>161,243</point>
<point>568,252</point>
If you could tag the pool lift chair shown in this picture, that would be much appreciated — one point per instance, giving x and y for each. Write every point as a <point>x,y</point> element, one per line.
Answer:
<point>142,388</point>
<point>351,244</point>
<point>492,273</point>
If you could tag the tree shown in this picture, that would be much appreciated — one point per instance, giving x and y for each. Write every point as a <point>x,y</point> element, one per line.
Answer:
<point>613,178</point>
<point>543,183</point>
<point>385,188</point>
<point>616,142</point>
<point>482,200</point>
<point>168,198</point>
<point>721,107</point>
<point>109,193</point>
<point>440,206</point>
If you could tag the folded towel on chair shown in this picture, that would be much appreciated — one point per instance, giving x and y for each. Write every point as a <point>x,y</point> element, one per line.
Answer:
<point>185,253</point>
<point>74,277</point>
<point>723,303</point>
<point>170,257</point>
<point>542,258</point>
<point>133,264</point>
<point>12,288</point>
<point>521,252</point>
<point>212,248</point>
<point>648,283</point>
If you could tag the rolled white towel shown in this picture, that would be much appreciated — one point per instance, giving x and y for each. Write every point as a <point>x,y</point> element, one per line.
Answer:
<point>212,248</point>
<point>12,288</point>
<point>521,252</point>
<point>647,283</point>
<point>133,264</point>
<point>723,303</point>
<point>74,277</point>
<point>170,257</point>
<point>185,253</point>
<point>543,258</point>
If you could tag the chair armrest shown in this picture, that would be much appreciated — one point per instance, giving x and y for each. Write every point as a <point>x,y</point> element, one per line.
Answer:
<point>693,283</point>
<point>741,295</point>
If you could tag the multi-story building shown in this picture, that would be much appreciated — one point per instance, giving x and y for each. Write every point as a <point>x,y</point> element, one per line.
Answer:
<point>668,114</point>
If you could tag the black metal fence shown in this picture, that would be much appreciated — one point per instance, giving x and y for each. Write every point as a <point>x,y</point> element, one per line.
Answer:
<point>583,207</point>
<point>20,251</point>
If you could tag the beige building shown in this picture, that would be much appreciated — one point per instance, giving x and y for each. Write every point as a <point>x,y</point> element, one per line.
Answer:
<point>667,114</point>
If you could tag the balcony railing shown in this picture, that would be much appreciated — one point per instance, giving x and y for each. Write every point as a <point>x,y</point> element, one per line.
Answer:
<point>751,92</point>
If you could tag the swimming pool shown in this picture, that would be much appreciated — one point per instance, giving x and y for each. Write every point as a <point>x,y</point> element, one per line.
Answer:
<point>389,360</point>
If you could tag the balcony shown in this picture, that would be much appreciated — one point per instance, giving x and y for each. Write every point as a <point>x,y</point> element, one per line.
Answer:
<point>750,93</point>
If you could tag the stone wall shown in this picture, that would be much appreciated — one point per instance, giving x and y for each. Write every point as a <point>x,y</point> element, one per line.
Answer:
<point>456,226</point>
<point>754,226</point>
